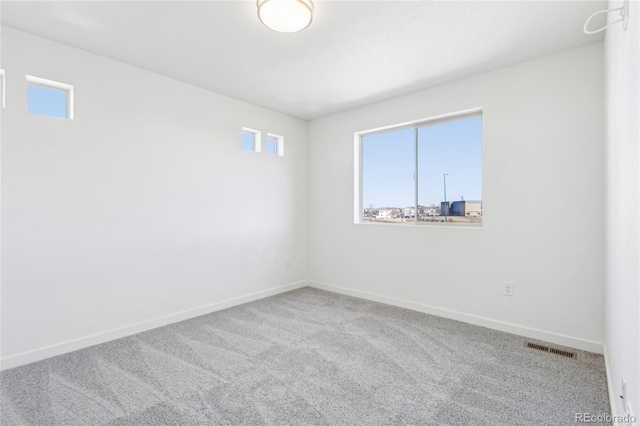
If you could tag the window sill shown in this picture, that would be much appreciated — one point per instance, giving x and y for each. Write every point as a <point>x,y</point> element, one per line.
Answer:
<point>422,225</point>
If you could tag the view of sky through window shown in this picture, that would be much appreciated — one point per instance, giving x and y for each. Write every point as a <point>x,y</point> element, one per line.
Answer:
<point>453,148</point>
<point>272,146</point>
<point>248,141</point>
<point>47,101</point>
<point>387,169</point>
<point>449,157</point>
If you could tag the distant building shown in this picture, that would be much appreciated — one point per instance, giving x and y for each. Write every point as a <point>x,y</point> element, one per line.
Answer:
<point>444,209</point>
<point>465,208</point>
<point>384,213</point>
<point>389,212</point>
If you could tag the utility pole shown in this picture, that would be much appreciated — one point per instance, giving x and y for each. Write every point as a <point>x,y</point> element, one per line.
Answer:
<point>446,212</point>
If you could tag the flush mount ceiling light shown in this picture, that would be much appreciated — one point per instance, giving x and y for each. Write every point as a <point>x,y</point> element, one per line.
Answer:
<point>285,16</point>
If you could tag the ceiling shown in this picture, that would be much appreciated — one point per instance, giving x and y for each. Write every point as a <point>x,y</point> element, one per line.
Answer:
<point>354,53</point>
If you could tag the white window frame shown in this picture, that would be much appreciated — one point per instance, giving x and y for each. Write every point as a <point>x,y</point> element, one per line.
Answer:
<point>257,138</point>
<point>50,84</point>
<point>279,143</point>
<point>357,155</point>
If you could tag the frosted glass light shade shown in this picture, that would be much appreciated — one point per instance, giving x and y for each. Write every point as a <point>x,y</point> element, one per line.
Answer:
<point>285,16</point>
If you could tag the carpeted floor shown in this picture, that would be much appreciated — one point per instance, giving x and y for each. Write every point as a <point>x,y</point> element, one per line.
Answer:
<point>307,357</point>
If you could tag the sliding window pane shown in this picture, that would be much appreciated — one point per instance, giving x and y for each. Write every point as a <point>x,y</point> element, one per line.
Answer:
<point>450,159</point>
<point>388,164</point>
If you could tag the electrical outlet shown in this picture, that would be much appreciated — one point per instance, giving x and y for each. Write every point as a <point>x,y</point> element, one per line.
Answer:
<point>508,288</point>
<point>287,262</point>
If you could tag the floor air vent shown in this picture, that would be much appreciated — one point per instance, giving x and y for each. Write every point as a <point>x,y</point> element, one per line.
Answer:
<point>550,350</point>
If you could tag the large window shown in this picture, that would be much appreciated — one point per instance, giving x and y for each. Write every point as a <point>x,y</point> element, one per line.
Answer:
<point>424,172</point>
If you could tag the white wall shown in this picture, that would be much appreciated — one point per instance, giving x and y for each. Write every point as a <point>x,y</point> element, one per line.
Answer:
<point>622,228</point>
<point>144,210</point>
<point>543,146</point>
<point>141,208</point>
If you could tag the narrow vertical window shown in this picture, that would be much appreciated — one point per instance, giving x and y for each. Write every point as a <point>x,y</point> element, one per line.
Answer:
<point>272,146</point>
<point>51,98</point>
<point>275,145</point>
<point>250,140</point>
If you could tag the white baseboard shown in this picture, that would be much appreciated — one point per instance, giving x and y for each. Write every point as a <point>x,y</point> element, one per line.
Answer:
<point>533,333</point>
<point>614,393</point>
<point>612,400</point>
<point>106,336</point>
<point>84,342</point>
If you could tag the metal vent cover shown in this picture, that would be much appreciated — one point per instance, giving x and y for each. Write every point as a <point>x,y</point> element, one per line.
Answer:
<point>550,350</point>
